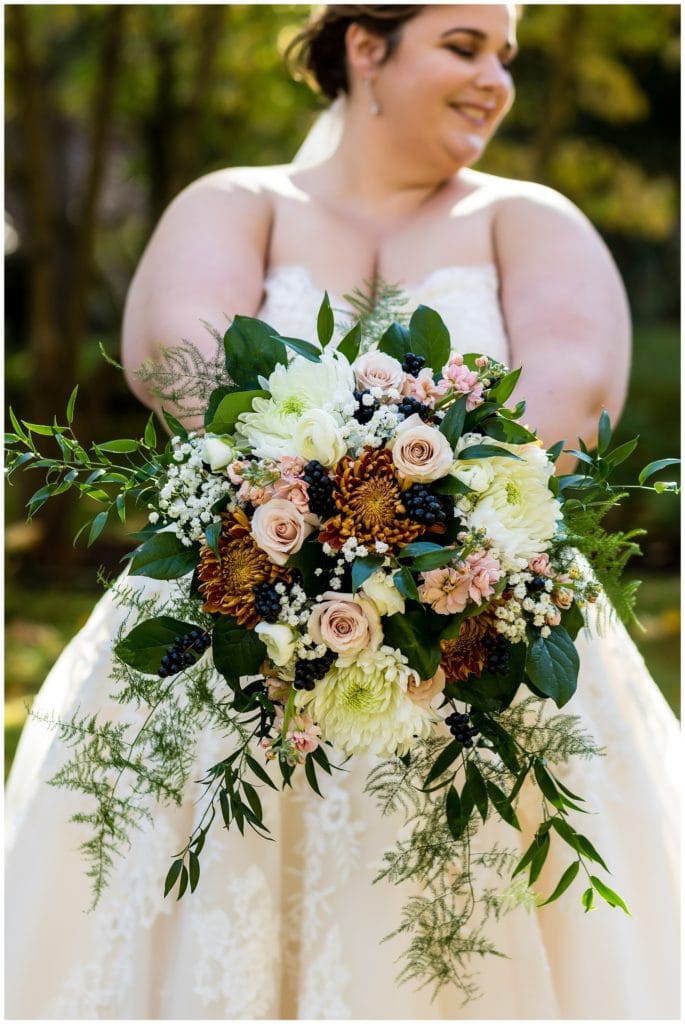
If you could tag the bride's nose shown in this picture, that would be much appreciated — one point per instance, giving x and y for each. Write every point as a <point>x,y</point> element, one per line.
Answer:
<point>491,75</point>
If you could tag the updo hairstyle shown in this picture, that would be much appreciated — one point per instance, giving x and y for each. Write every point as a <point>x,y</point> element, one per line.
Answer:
<point>318,53</point>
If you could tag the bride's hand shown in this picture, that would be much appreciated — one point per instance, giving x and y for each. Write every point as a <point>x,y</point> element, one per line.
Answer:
<point>566,315</point>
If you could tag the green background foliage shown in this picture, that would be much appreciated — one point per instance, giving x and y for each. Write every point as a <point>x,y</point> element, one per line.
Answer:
<point>112,109</point>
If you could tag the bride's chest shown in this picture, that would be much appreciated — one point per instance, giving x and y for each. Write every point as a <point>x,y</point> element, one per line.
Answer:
<point>343,251</point>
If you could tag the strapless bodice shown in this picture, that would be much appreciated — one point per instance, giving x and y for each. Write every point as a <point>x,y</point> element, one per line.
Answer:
<point>466,297</point>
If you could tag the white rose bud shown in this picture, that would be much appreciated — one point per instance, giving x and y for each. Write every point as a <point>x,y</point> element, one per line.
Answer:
<point>279,640</point>
<point>384,595</point>
<point>217,452</point>
<point>378,370</point>
<point>280,529</point>
<point>317,436</point>
<point>420,452</point>
<point>346,623</point>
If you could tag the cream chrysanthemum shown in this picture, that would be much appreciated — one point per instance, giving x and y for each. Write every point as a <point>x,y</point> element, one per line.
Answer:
<point>364,708</point>
<point>517,510</point>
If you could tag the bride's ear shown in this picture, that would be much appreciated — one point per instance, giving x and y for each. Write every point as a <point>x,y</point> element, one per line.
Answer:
<point>365,51</point>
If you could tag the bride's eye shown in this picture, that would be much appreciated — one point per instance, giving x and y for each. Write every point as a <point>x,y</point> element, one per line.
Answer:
<point>462,51</point>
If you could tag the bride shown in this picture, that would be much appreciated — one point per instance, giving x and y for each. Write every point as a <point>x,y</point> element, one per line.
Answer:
<point>292,929</point>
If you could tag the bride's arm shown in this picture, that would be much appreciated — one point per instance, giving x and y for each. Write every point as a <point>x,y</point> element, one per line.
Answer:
<point>566,314</point>
<point>205,261</point>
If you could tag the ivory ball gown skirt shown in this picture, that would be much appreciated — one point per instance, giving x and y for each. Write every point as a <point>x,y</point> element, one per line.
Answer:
<point>293,928</point>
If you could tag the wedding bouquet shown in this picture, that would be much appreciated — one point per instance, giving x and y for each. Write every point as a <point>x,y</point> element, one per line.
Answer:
<point>377,559</point>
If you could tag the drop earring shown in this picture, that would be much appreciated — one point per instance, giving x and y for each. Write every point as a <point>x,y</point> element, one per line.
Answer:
<point>375,109</point>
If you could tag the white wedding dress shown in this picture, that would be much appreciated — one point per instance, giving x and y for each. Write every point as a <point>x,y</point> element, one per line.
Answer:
<point>293,928</point>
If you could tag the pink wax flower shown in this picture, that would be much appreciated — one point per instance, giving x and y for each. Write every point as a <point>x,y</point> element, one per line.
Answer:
<point>485,570</point>
<point>446,590</point>
<point>291,468</point>
<point>235,471</point>
<point>255,495</point>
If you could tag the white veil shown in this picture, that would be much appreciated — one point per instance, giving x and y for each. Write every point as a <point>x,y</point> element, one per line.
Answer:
<point>324,136</point>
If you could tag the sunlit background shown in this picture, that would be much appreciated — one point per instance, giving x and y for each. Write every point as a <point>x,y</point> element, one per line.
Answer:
<point>112,109</point>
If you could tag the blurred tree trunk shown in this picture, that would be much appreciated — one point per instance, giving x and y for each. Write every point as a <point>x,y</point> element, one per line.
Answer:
<point>58,273</point>
<point>559,107</point>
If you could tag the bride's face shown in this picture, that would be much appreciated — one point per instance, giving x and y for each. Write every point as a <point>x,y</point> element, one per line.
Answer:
<point>447,85</point>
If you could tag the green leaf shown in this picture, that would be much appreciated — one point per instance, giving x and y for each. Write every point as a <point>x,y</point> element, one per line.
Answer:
<point>563,884</point>
<point>17,426</point>
<point>122,446</point>
<point>325,324</point>
<point>478,789</point>
<point>572,620</point>
<point>504,387</point>
<point>654,467</point>
<point>506,430</point>
<point>351,343</point>
<point>310,772</point>
<point>229,409</point>
<point>404,583</point>
<point>487,451</point>
<point>164,557</point>
<point>302,347</point>
<point>455,820</point>
<point>253,800</point>
<point>395,342</point>
<point>183,884</point>
<point>212,534</point>
<point>193,870</point>
<point>172,875</point>
<point>585,847</point>
<point>611,897</point>
<point>452,424</point>
<point>603,432</point>
<point>620,454</point>
<point>362,568</point>
<point>215,398</point>
<point>97,526</point>
<point>260,772</point>
<point>419,547</point>
<point>429,337</point>
<point>150,435</point>
<point>500,738</point>
<point>237,651</point>
<point>434,560</point>
<point>144,647</point>
<point>252,351</point>
<point>174,425</point>
<point>70,405</point>
<point>555,451</point>
<point>547,787</point>
<point>409,632</point>
<point>451,485</point>
<point>552,664</point>
<point>587,899</point>
<point>443,761</point>
<point>225,807</point>
<point>528,855</point>
<point>307,560</point>
<point>502,805</point>
<point>538,859</point>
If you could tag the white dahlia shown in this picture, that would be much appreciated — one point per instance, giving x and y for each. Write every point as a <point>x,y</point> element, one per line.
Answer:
<point>364,708</point>
<point>295,389</point>
<point>517,510</point>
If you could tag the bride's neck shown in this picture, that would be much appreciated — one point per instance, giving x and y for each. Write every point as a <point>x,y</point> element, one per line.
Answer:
<point>377,179</point>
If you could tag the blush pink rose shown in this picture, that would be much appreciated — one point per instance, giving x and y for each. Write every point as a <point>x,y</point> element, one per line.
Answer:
<point>280,529</point>
<point>424,691</point>
<point>379,370</point>
<point>562,598</point>
<point>346,623</point>
<point>540,566</point>
<point>421,452</point>
<point>553,618</point>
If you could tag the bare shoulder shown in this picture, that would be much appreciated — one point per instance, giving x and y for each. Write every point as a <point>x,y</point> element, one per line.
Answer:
<point>511,200</point>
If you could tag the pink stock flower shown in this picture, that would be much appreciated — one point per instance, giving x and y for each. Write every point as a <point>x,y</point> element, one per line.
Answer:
<point>446,590</point>
<point>304,735</point>
<point>296,491</point>
<point>424,387</point>
<point>255,495</point>
<point>463,381</point>
<point>540,566</point>
<point>291,467</point>
<point>485,571</point>
<point>234,471</point>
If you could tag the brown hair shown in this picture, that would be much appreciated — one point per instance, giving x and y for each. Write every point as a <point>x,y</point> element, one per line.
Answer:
<point>319,53</point>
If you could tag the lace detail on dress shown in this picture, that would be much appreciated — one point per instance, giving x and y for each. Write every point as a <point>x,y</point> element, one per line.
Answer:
<point>466,297</point>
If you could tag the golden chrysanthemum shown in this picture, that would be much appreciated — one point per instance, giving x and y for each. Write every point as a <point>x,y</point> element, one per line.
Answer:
<point>466,654</point>
<point>368,495</point>
<point>227,581</point>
